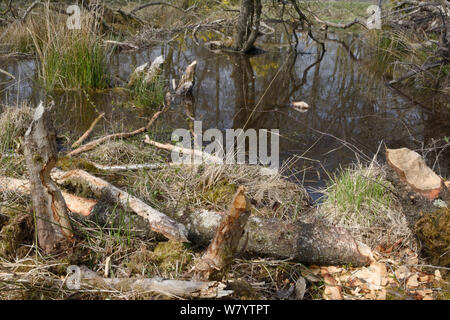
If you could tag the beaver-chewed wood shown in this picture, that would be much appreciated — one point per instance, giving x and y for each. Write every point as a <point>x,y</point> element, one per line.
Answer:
<point>222,249</point>
<point>54,231</point>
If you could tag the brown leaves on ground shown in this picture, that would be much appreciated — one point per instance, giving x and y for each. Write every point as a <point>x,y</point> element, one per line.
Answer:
<point>391,275</point>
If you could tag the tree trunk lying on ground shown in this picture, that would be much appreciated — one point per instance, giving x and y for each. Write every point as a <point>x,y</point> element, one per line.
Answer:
<point>54,231</point>
<point>221,251</point>
<point>179,288</point>
<point>158,221</point>
<point>74,203</point>
<point>311,243</point>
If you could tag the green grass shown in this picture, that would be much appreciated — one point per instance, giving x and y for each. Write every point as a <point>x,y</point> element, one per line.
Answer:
<point>149,95</point>
<point>69,59</point>
<point>78,62</point>
<point>353,191</point>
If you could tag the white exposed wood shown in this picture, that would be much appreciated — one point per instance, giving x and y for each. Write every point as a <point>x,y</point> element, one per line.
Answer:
<point>158,221</point>
<point>74,203</point>
<point>411,168</point>
<point>207,158</point>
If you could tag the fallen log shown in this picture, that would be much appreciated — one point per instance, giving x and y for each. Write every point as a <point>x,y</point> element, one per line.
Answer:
<point>178,288</point>
<point>78,143</point>
<point>220,253</point>
<point>311,243</point>
<point>132,167</point>
<point>54,231</point>
<point>75,204</point>
<point>158,221</point>
<point>123,135</point>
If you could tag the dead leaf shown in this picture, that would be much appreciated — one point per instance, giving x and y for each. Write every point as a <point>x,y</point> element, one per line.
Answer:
<point>437,275</point>
<point>374,275</point>
<point>413,281</point>
<point>333,269</point>
<point>314,269</point>
<point>402,272</point>
<point>427,278</point>
<point>332,293</point>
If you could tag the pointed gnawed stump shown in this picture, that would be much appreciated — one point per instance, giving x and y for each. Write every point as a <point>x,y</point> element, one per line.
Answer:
<point>53,227</point>
<point>223,247</point>
<point>187,80</point>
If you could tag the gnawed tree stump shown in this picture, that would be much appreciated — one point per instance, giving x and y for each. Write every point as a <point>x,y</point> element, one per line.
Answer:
<point>412,169</point>
<point>187,80</point>
<point>222,249</point>
<point>146,72</point>
<point>54,231</point>
<point>311,243</point>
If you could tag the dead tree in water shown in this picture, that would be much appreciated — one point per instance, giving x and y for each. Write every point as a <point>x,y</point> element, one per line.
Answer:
<point>247,27</point>
<point>53,227</point>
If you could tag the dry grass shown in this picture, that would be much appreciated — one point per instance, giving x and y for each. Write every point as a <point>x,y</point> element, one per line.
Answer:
<point>14,122</point>
<point>360,199</point>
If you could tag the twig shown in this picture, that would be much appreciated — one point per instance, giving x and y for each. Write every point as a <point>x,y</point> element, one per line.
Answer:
<point>77,143</point>
<point>122,135</point>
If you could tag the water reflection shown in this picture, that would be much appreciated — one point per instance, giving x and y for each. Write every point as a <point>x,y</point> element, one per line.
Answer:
<point>347,102</point>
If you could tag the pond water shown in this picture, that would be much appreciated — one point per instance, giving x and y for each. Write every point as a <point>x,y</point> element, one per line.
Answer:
<point>350,106</point>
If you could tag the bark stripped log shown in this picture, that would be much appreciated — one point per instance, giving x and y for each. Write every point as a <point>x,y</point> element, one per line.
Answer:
<point>178,288</point>
<point>75,204</point>
<point>311,243</point>
<point>158,221</point>
<point>220,253</point>
<point>54,231</point>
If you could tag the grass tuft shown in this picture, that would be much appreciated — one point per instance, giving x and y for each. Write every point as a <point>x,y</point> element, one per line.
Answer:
<point>360,199</point>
